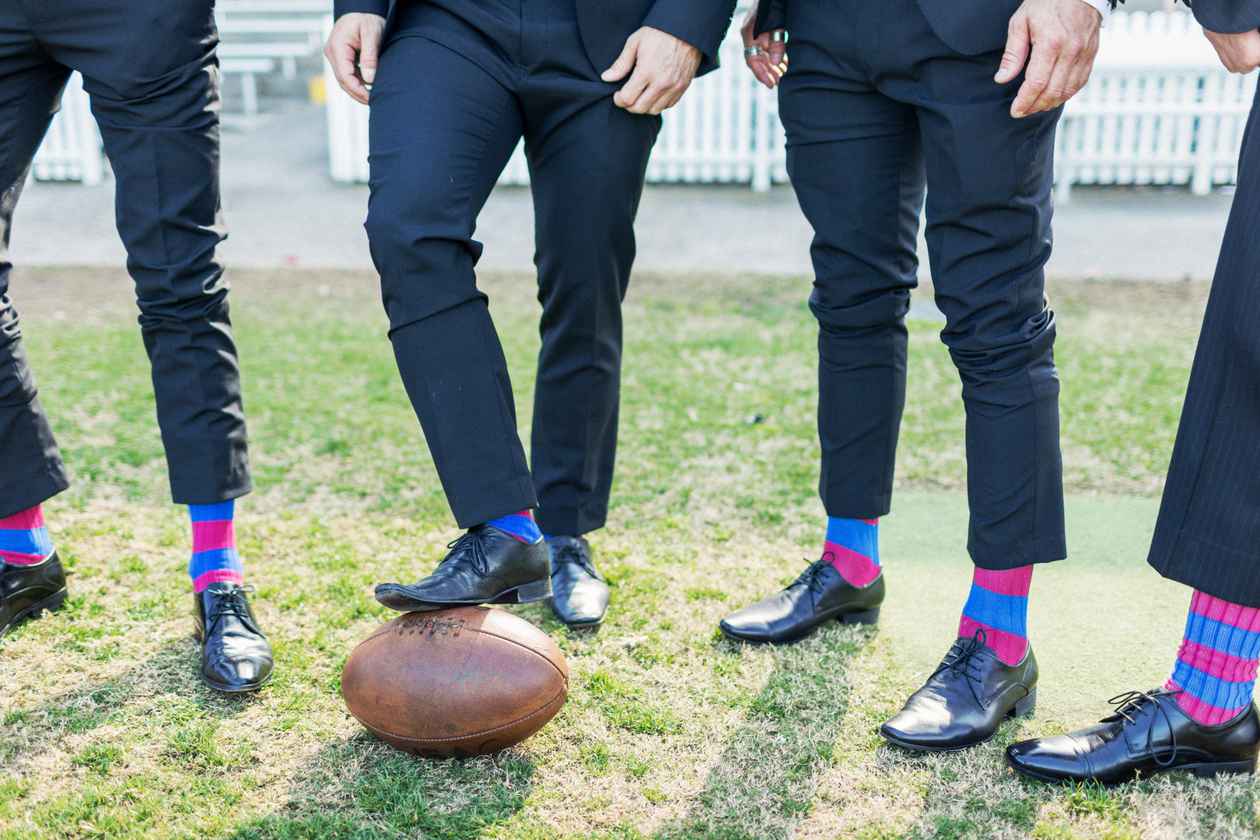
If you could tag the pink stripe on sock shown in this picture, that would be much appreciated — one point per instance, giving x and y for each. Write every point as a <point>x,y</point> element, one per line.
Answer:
<point>1236,615</point>
<point>14,558</point>
<point>213,535</point>
<point>853,566</point>
<point>27,520</point>
<point>871,521</point>
<point>1015,581</point>
<point>1204,713</point>
<point>1217,663</point>
<point>1009,647</point>
<point>217,576</point>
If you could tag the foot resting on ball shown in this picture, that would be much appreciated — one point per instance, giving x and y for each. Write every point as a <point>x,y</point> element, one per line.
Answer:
<point>487,565</point>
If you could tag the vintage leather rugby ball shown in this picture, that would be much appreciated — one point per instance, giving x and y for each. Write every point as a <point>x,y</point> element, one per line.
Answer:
<point>462,681</point>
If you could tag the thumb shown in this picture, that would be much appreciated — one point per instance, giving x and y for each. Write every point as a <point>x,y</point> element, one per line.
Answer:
<point>368,52</point>
<point>624,63</point>
<point>1017,42</point>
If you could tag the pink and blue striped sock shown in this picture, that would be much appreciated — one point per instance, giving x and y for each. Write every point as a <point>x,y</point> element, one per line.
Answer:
<point>214,556</point>
<point>520,525</point>
<point>1216,664</point>
<point>852,546</point>
<point>24,539</point>
<point>998,605</point>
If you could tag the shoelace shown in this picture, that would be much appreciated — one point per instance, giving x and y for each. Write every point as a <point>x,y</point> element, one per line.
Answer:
<point>812,576</point>
<point>569,553</point>
<point>470,541</point>
<point>1132,701</point>
<point>232,603</point>
<point>960,661</point>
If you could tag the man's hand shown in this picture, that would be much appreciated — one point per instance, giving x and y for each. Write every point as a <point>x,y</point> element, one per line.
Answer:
<point>1239,52</point>
<point>663,69</point>
<point>765,54</point>
<point>352,50</point>
<point>1063,38</point>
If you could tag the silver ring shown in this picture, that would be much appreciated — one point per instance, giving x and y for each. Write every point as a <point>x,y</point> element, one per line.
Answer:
<point>751,51</point>
<point>779,36</point>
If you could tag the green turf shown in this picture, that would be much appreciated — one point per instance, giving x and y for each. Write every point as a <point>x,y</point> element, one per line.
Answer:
<point>669,731</point>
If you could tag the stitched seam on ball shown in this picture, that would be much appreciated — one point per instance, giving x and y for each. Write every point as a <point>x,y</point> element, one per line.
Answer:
<point>478,734</point>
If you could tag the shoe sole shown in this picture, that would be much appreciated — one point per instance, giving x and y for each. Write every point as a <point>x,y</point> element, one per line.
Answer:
<point>868,617</point>
<point>51,604</point>
<point>1024,706</point>
<point>1203,770</point>
<point>526,593</point>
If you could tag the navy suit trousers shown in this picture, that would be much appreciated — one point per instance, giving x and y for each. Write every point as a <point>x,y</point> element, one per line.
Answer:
<point>879,111</point>
<point>150,69</point>
<point>458,87</point>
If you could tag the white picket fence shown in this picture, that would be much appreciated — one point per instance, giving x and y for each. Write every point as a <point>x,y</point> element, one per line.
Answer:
<point>1158,110</point>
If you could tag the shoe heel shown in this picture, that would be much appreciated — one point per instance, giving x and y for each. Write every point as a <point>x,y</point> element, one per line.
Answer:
<point>1026,706</point>
<point>1247,767</point>
<point>53,603</point>
<point>539,590</point>
<point>863,617</point>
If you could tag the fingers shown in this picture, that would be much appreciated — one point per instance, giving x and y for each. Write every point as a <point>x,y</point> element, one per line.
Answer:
<point>341,53</point>
<point>1018,41</point>
<point>632,90</point>
<point>369,50</point>
<point>1037,78</point>
<point>771,63</point>
<point>624,63</point>
<point>1056,90</point>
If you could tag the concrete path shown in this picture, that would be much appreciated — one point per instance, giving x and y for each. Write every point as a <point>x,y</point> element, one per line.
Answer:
<point>283,210</point>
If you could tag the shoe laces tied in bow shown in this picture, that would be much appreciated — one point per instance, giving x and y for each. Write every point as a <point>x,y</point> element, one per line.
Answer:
<point>961,663</point>
<point>1131,702</point>
<point>570,552</point>
<point>471,541</point>
<point>230,602</point>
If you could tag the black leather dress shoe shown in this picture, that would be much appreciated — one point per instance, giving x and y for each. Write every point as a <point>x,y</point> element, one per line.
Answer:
<point>820,594</point>
<point>484,566</point>
<point>579,596</point>
<point>1147,734</point>
<point>27,591</point>
<point>964,700</point>
<point>235,655</point>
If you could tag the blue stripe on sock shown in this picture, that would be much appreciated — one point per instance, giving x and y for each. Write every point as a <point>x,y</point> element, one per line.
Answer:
<point>34,541</point>
<point>524,528</point>
<point>1210,689</point>
<point>856,534</point>
<point>1224,637</point>
<point>217,512</point>
<point>209,561</point>
<point>1008,613</point>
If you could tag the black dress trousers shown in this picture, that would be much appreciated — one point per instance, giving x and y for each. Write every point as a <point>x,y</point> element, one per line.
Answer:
<point>150,69</point>
<point>879,110</point>
<point>1208,532</point>
<point>458,85</point>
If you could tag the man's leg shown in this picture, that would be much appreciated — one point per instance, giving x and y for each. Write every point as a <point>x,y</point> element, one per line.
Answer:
<point>1207,537</point>
<point>988,233</point>
<point>31,579</point>
<point>152,74</point>
<point>442,129</point>
<point>587,167</point>
<point>856,164</point>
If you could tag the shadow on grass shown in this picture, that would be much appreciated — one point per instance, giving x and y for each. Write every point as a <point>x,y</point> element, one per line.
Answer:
<point>763,782</point>
<point>361,788</point>
<point>26,733</point>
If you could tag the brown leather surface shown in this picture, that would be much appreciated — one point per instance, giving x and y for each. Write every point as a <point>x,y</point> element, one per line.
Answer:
<point>463,681</point>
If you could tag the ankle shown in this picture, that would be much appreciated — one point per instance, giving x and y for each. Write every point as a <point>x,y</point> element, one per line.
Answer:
<point>24,538</point>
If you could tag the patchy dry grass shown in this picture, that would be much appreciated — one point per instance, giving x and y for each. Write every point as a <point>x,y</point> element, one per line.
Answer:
<point>670,732</point>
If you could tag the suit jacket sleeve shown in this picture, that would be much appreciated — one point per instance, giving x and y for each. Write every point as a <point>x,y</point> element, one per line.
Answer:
<point>770,16</point>
<point>1227,15</point>
<point>345,7</point>
<point>701,23</point>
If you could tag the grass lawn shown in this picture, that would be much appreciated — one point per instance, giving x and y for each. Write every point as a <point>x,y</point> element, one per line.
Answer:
<point>670,731</point>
